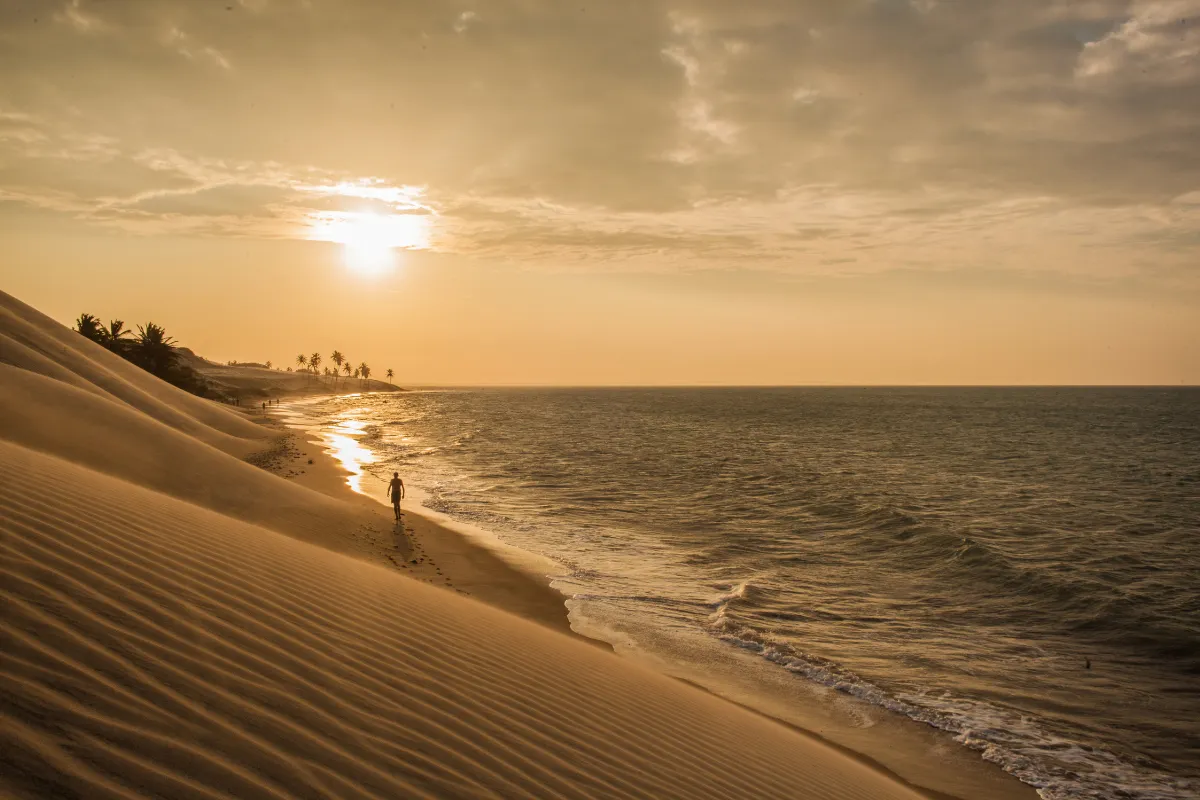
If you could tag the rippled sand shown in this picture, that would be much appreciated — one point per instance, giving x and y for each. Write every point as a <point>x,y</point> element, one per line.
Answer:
<point>171,628</point>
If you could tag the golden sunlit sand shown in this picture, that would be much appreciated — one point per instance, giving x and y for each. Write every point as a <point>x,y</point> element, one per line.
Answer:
<point>173,629</point>
<point>793,399</point>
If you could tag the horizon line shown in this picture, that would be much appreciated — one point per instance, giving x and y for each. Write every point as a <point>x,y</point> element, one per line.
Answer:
<point>802,386</point>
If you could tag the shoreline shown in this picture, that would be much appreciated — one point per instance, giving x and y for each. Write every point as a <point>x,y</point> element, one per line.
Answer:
<point>225,632</point>
<point>476,565</point>
<point>419,547</point>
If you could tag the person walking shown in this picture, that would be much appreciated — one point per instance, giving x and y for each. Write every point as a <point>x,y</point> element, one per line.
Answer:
<point>396,492</point>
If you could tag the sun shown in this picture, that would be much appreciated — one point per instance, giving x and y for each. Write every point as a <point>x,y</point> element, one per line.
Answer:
<point>368,248</point>
<point>370,241</point>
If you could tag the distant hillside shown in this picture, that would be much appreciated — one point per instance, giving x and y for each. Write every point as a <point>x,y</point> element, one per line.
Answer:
<point>248,381</point>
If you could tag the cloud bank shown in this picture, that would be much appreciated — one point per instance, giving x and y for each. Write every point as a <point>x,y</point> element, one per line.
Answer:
<point>807,136</point>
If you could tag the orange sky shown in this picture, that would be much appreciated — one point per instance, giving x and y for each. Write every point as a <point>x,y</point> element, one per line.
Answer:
<point>870,192</point>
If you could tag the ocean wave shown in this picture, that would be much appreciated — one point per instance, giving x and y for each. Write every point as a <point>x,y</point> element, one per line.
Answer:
<point>721,604</point>
<point>1058,768</point>
<point>1099,606</point>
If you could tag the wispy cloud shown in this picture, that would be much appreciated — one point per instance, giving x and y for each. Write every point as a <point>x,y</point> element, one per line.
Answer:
<point>702,132</point>
<point>1159,42</point>
<point>464,21</point>
<point>74,15</point>
<point>180,42</point>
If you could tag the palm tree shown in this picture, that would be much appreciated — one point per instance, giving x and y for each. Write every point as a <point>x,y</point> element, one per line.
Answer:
<point>346,369</point>
<point>337,358</point>
<point>390,374</point>
<point>314,361</point>
<point>90,328</point>
<point>154,348</point>
<point>365,370</point>
<point>302,360</point>
<point>115,335</point>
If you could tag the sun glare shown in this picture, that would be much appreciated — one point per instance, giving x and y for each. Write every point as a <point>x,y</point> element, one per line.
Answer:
<point>370,241</point>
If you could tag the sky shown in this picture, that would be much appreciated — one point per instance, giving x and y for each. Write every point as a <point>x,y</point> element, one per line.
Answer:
<point>620,192</point>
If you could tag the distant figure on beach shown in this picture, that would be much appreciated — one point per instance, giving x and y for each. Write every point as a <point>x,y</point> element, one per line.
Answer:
<point>396,492</point>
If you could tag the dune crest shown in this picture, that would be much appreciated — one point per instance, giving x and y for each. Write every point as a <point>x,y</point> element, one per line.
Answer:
<point>32,341</point>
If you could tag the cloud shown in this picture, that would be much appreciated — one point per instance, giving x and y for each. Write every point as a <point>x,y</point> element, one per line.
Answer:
<point>74,15</point>
<point>180,42</point>
<point>228,200</point>
<point>784,132</point>
<point>464,21</point>
<point>1159,42</point>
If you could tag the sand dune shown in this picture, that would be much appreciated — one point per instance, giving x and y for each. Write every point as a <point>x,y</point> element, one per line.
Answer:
<point>118,440</point>
<point>31,341</point>
<point>70,397</point>
<point>165,632</point>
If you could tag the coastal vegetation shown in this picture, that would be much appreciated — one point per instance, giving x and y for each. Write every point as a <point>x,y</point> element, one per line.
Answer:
<point>338,359</point>
<point>150,348</point>
<point>311,364</point>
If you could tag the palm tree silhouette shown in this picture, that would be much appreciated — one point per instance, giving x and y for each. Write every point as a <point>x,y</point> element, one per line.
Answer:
<point>337,358</point>
<point>90,328</point>
<point>346,369</point>
<point>115,335</point>
<point>154,348</point>
<point>365,370</point>
<point>302,360</point>
<point>390,374</point>
<point>314,361</point>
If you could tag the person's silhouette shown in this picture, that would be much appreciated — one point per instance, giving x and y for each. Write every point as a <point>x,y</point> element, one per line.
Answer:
<point>396,492</point>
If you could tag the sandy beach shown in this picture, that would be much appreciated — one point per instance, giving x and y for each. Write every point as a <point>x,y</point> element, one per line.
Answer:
<point>179,622</point>
<point>437,549</point>
<point>420,547</point>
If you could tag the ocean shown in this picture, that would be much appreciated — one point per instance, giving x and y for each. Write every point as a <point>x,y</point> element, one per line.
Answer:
<point>1017,567</point>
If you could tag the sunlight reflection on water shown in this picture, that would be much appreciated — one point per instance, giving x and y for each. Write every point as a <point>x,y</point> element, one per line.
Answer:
<point>350,453</point>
